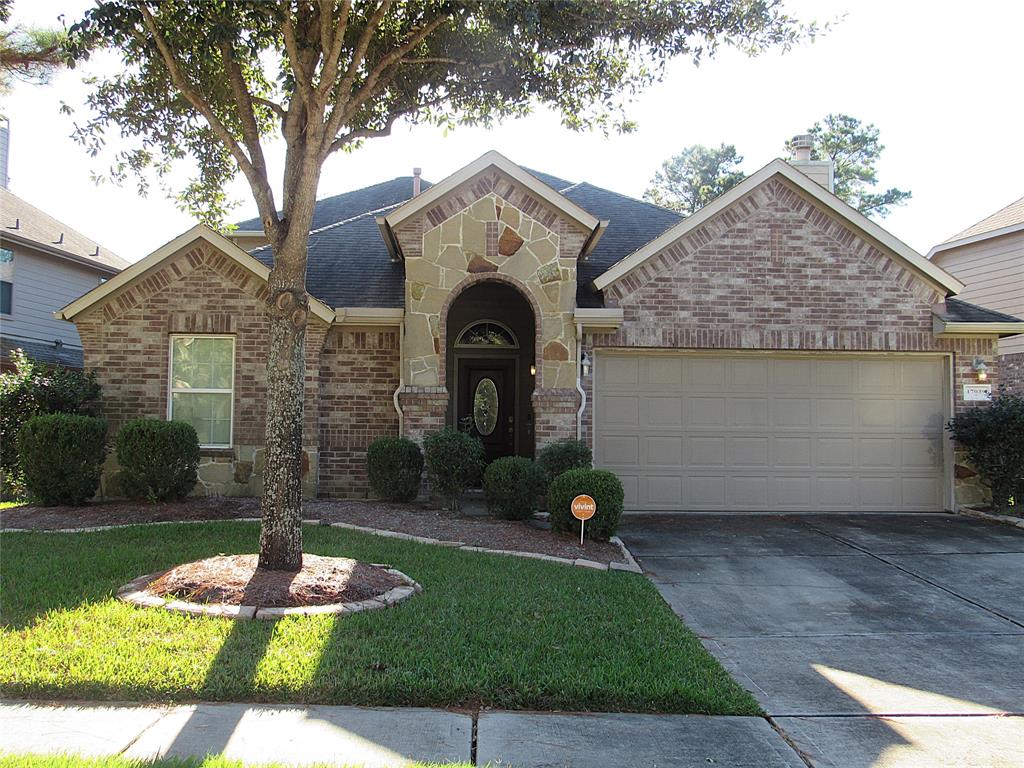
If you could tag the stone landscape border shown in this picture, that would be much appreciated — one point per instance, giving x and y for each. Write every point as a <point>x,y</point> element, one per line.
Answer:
<point>629,564</point>
<point>137,593</point>
<point>977,514</point>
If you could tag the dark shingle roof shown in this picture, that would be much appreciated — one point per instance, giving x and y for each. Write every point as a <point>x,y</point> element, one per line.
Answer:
<point>349,264</point>
<point>960,311</point>
<point>632,224</point>
<point>347,205</point>
<point>42,352</point>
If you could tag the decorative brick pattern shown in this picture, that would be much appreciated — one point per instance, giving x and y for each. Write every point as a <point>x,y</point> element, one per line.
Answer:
<point>199,290</point>
<point>775,272</point>
<point>358,377</point>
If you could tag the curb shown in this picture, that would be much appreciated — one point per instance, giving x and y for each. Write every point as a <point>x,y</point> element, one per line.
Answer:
<point>137,593</point>
<point>977,514</point>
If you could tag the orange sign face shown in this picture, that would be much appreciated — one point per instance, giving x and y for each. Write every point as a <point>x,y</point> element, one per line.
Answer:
<point>583,507</point>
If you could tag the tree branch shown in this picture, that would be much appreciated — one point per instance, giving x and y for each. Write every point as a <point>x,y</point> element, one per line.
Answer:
<point>302,81</point>
<point>332,49</point>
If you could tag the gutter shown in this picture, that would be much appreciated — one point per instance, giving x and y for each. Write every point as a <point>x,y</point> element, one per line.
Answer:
<point>579,380</point>
<point>60,254</point>
<point>401,380</point>
<point>943,327</point>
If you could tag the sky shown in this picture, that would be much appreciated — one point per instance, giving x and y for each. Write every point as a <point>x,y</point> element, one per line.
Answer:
<point>941,81</point>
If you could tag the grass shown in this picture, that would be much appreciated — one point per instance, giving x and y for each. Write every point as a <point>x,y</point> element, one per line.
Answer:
<point>75,761</point>
<point>487,630</point>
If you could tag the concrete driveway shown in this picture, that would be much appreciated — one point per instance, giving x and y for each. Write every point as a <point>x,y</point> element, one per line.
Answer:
<point>869,639</point>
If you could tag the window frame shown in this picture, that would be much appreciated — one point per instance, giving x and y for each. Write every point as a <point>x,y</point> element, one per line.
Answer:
<point>484,321</point>
<point>10,312</point>
<point>171,390</point>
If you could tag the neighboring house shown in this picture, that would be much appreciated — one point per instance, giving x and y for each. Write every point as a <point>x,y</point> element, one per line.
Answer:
<point>775,351</point>
<point>989,258</point>
<point>44,264</point>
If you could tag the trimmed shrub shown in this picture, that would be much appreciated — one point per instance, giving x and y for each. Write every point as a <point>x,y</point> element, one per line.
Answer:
<point>992,436</point>
<point>511,487</point>
<point>453,461</point>
<point>62,456</point>
<point>32,389</point>
<point>560,457</point>
<point>602,486</point>
<point>159,459</point>
<point>394,466</point>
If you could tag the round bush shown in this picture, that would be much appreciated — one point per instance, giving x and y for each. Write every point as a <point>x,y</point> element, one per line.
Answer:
<point>453,461</point>
<point>158,459</point>
<point>560,457</point>
<point>62,457</point>
<point>394,466</point>
<point>511,487</point>
<point>602,486</point>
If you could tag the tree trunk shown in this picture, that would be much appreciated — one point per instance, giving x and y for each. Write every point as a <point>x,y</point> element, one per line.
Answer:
<point>281,505</point>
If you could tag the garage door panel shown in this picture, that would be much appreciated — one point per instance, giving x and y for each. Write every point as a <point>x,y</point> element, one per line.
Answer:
<point>775,432</point>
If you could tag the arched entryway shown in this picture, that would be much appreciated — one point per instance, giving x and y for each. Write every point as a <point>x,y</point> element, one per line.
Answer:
<point>490,367</point>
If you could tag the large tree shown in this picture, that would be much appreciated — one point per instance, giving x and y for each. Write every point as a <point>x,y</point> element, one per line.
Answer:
<point>27,53</point>
<point>854,148</point>
<point>215,79</point>
<point>695,177</point>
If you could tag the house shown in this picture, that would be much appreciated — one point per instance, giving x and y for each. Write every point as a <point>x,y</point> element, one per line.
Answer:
<point>989,258</point>
<point>44,264</point>
<point>774,351</point>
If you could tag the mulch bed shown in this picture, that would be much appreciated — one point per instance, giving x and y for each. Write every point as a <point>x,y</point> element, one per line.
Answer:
<point>235,580</point>
<point>474,530</point>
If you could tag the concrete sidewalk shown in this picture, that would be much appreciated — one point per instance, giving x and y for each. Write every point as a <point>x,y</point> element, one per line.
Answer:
<point>383,738</point>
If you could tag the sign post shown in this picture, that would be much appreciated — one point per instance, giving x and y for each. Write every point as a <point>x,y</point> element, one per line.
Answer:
<point>583,508</point>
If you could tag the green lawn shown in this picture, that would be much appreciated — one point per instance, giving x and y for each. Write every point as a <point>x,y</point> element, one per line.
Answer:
<point>74,761</point>
<point>486,631</point>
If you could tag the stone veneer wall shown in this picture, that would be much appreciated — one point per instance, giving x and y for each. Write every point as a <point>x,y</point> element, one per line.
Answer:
<point>775,272</point>
<point>358,377</point>
<point>489,228</point>
<point>198,290</point>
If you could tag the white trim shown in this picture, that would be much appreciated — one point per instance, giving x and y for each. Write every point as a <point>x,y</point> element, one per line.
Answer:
<point>598,318</point>
<point>952,328</point>
<point>502,163</point>
<point>1009,230</point>
<point>932,272</point>
<point>369,316</point>
<point>139,268</point>
<point>202,390</point>
<point>246,233</point>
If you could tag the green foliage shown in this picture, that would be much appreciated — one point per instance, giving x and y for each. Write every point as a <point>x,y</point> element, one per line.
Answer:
<point>32,389</point>
<point>993,437</point>
<point>454,460</point>
<point>394,466</point>
<point>695,177</point>
<point>62,456</point>
<point>511,487</point>
<point>602,486</point>
<point>29,54</point>
<point>564,455</point>
<point>158,459</point>
<point>854,148</point>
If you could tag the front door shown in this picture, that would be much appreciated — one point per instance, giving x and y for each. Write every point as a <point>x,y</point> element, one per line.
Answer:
<point>486,404</point>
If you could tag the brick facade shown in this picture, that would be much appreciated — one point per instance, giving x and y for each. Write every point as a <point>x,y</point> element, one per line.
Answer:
<point>1011,373</point>
<point>358,378</point>
<point>775,272</point>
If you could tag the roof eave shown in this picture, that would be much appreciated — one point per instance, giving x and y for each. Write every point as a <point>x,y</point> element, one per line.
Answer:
<point>941,247</point>
<point>945,328</point>
<point>85,261</point>
<point>934,274</point>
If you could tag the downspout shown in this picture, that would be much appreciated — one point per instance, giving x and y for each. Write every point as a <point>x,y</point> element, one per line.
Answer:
<point>401,378</point>
<point>579,381</point>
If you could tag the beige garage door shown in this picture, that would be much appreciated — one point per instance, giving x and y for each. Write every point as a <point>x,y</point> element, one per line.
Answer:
<point>771,432</point>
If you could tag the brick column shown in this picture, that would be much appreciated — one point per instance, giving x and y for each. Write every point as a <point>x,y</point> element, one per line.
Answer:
<point>424,410</point>
<point>554,415</point>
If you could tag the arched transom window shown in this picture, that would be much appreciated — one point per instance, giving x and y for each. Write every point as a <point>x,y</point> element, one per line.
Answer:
<point>487,333</point>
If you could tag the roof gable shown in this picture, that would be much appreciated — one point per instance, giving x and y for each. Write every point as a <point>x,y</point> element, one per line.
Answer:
<point>1005,221</point>
<point>904,253</point>
<point>546,194</point>
<point>139,269</point>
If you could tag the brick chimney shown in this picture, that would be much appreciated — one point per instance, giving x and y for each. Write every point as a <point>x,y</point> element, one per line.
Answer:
<point>820,171</point>
<point>416,181</point>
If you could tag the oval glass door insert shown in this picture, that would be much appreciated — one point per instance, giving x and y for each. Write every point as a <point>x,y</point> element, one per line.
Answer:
<point>485,406</point>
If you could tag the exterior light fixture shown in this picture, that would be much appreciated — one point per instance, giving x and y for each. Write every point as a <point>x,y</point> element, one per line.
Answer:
<point>585,362</point>
<point>980,369</point>
<point>533,369</point>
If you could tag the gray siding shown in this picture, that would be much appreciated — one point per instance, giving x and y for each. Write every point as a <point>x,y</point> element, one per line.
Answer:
<point>42,285</point>
<point>993,271</point>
